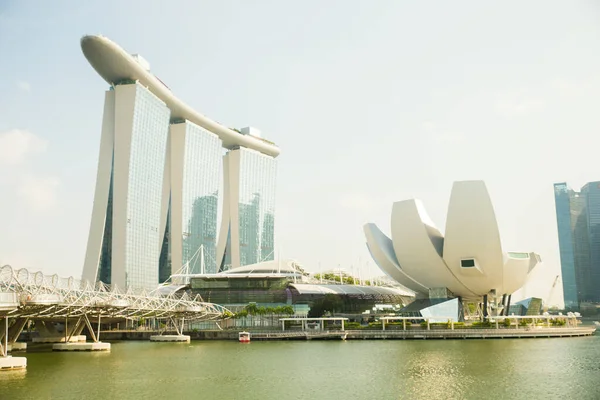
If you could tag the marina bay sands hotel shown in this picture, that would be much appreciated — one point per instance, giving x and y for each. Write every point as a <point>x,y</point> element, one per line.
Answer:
<point>158,183</point>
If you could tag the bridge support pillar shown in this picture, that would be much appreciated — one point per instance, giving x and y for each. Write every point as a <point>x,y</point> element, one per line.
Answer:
<point>14,331</point>
<point>9,362</point>
<point>94,346</point>
<point>170,338</point>
<point>49,334</point>
<point>179,337</point>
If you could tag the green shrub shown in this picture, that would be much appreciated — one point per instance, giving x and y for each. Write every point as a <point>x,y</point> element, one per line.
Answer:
<point>525,322</point>
<point>352,325</point>
<point>507,322</point>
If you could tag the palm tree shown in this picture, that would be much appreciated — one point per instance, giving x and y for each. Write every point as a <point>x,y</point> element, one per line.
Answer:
<point>261,311</point>
<point>288,310</point>
<point>270,311</point>
<point>252,310</point>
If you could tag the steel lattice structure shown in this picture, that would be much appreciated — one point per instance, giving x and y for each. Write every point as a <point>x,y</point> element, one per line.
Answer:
<point>39,296</point>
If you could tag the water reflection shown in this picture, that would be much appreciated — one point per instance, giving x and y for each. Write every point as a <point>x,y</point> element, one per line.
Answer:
<point>428,369</point>
<point>12,375</point>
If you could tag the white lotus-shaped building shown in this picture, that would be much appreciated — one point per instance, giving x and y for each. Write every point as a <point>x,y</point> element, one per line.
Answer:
<point>468,260</point>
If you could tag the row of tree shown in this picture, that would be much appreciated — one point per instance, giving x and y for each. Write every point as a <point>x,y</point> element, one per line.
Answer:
<point>251,313</point>
<point>252,309</point>
<point>344,278</point>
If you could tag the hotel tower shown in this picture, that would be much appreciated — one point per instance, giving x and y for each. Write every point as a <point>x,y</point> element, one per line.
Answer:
<point>160,170</point>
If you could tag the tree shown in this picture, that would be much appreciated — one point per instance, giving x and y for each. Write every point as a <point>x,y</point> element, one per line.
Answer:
<point>271,312</point>
<point>252,309</point>
<point>261,311</point>
<point>288,310</point>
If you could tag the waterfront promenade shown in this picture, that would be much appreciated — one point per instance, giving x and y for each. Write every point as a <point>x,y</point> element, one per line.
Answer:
<point>366,334</point>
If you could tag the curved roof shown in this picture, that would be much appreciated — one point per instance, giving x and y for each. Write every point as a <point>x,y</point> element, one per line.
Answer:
<point>472,232</point>
<point>382,251</point>
<point>306,288</point>
<point>418,245</point>
<point>114,64</point>
<point>468,260</point>
<point>267,267</point>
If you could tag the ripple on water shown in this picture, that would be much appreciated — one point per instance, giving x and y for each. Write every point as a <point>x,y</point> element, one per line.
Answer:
<point>428,369</point>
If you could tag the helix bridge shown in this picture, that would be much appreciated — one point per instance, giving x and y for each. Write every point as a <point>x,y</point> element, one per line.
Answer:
<point>49,299</point>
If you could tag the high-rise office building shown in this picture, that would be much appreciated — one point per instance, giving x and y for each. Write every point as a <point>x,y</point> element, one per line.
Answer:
<point>126,216</point>
<point>195,159</point>
<point>578,222</point>
<point>159,171</point>
<point>247,227</point>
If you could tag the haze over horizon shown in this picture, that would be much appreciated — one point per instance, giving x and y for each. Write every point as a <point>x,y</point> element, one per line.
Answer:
<point>370,103</point>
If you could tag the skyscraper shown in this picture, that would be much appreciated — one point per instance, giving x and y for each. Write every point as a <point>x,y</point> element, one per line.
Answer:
<point>159,171</point>
<point>195,159</point>
<point>578,222</point>
<point>247,228</point>
<point>134,142</point>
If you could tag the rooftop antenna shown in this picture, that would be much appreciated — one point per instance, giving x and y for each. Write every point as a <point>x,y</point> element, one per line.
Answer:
<point>359,269</point>
<point>279,261</point>
<point>340,270</point>
<point>320,272</point>
<point>202,259</point>
<point>360,275</point>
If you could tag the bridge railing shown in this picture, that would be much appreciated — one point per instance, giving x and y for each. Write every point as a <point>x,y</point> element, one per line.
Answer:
<point>70,296</point>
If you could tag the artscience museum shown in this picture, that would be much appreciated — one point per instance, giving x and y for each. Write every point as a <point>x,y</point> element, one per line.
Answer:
<point>465,264</point>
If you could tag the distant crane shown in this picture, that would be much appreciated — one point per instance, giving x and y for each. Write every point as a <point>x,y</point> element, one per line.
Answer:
<point>549,297</point>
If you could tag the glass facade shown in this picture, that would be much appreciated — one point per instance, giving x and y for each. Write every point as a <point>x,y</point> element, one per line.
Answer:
<point>164,262</point>
<point>578,222</point>
<point>200,194</point>
<point>105,264</point>
<point>591,274</point>
<point>146,169</point>
<point>254,181</point>
<point>450,308</point>
<point>256,206</point>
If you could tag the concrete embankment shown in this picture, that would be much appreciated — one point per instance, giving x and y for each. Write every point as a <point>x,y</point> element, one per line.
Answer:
<point>110,336</point>
<point>472,333</point>
<point>368,334</point>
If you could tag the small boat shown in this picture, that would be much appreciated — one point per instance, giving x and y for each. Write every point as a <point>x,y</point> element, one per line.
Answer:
<point>244,337</point>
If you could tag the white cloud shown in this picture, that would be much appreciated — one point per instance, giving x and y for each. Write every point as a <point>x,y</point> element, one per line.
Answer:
<point>428,126</point>
<point>439,135</point>
<point>355,201</point>
<point>518,103</point>
<point>16,145</point>
<point>447,137</point>
<point>24,86</point>
<point>39,193</point>
<point>566,86</point>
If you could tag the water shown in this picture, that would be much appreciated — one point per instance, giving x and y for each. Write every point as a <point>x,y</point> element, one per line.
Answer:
<point>428,369</point>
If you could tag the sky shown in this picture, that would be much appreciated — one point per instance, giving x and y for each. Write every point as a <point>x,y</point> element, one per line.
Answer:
<point>370,103</point>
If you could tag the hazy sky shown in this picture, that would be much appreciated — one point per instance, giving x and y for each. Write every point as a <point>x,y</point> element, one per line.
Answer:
<point>370,102</point>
